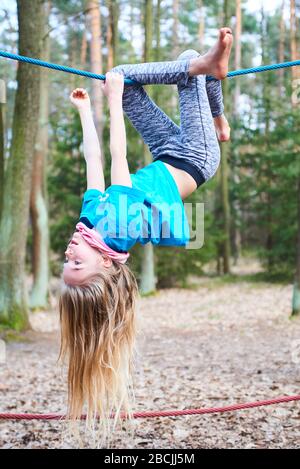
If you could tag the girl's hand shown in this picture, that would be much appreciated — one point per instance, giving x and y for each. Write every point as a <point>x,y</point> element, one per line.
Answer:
<point>114,85</point>
<point>80,98</point>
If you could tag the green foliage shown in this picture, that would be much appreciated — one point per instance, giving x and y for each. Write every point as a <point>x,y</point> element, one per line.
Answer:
<point>267,172</point>
<point>10,335</point>
<point>268,191</point>
<point>264,162</point>
<point>17,319</point>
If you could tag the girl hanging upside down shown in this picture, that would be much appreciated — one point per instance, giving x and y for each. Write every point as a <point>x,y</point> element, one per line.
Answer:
<point>99,291</point>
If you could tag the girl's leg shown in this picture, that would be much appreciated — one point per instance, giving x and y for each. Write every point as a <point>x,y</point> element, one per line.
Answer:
<point>192,146</point>
<point>197,123</point>
<point>215,98</point>
<point>154,126</point>
<point>213,87</point>
<point>200,100</point>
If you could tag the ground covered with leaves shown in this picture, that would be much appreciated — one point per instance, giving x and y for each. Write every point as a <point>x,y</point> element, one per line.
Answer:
<point>216,344</point>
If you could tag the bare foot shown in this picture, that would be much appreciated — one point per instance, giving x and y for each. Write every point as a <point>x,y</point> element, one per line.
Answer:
<point>222,128</point>
<point>215,61</point>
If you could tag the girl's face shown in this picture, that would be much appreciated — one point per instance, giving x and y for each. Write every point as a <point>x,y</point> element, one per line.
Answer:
<point>82,261</point>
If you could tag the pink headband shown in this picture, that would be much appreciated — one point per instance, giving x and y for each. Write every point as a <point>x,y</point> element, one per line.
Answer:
<point>93,238</point>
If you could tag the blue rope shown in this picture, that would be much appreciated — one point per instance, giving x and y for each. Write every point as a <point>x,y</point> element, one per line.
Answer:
<point>127,81</point>
<point>61,68</point>
<point>263,68</point>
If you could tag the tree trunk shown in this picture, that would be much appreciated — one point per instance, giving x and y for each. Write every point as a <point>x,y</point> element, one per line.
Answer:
<point>201,26</point>
<point>148,280</point>
<point>281,50</point>
<point>131,55</point>
<point>96,67</point>
<point>225,147</point>
<point>14,220</point>
<point>295,84</point>
<point>156,92</point>
<point>267,116</point>
<point>293,38</point>
<point>38,203</point>
<point>225,199</point>
<point>175,51</point>
<point>83,50</point>
<point>2,139</point>
<point>72,47</point>
<point>112,33</point>
<point>157,31</point>
<point>237,55</point>
<point>110,59</point>
<point>236,234</point>
<point>175,36</point>
<point>296,289</point>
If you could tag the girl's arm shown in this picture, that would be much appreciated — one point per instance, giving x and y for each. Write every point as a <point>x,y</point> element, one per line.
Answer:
<point>91,146</point>
<point>113,89</point>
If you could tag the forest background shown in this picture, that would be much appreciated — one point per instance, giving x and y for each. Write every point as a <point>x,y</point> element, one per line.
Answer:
<point>252,206</point>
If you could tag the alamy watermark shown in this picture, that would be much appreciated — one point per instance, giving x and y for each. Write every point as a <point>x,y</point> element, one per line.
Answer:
<point>195,212</point>
<point>176,223</point>
<point>296,91</point>
<point>2,352</point>
<point>295,351</point>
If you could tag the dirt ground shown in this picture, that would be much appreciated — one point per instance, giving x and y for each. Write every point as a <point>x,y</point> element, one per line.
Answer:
<point>213,345</point>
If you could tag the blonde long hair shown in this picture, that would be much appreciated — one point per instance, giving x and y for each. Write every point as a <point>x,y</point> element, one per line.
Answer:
<point>97,337</point>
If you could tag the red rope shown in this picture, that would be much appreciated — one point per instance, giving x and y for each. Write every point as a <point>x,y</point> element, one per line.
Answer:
<point>163,413</point>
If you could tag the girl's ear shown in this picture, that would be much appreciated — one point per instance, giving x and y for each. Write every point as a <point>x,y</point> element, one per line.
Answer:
<point>107,262</point>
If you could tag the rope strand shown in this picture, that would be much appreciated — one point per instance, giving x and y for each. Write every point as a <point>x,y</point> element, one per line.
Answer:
<point>162,413</point>
<point>62,68</point>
